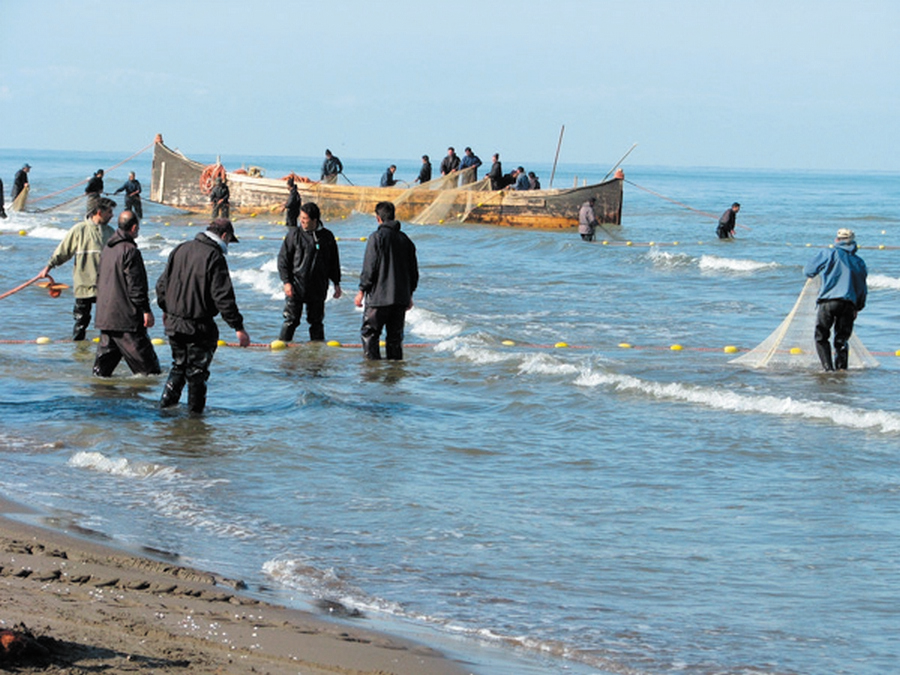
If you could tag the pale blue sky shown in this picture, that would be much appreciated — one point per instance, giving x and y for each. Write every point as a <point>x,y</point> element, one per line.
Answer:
<point>743,83</point>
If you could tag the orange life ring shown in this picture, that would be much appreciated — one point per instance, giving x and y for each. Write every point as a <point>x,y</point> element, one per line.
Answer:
<point>209,176</point>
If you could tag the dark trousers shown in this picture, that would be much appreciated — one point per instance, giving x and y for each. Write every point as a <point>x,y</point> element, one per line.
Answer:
<point>135,347</point>
<point>82,315</point>
<point>392,318</point>
<point>222,210</point>
<point>315,316</point>
<point>840,314</point>
<point>587,236</point>
<point>134,205</point>
<point>191,358</point>
<point>723,232</point>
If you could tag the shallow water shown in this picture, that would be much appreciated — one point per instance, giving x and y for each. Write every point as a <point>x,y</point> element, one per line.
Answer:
<point>533,508</point>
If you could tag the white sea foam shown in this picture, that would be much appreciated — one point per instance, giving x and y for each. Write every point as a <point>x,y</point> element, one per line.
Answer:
<point>662,258</point>
<point>544,364</point>
<point>47,232</point>
<point>720,399</point>
<point>431,325</point>
<point>474,349</point>
<point>883,282</point>
<point>263,280</point>
<point>97,461</point>
<point>712,263</point>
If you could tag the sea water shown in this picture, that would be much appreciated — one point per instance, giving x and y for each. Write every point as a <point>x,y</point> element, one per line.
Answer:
<point>522,491</point>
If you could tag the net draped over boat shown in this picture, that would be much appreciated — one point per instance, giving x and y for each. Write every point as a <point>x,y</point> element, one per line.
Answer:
<point>792,345</point>
<point>450,200</point>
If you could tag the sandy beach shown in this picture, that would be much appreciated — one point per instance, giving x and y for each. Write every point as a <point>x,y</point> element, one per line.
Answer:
<point>68,605</point>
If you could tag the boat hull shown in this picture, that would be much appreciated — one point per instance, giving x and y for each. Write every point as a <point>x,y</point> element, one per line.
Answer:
<point>176,181</point>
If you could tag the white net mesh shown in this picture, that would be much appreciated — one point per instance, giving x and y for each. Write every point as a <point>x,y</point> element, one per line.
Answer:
<point>443,199</point>
<point>792,344</point>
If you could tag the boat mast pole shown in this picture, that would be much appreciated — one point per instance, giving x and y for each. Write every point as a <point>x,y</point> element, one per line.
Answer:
<point>556,159</point>
<point>633,146</point>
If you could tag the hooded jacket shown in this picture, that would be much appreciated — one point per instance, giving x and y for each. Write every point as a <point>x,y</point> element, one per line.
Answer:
<point>308,260</point>
<point>84,242</point>
<point>390,272</point>
<point>843,274</point>
<point>122,294</point>
<point>195,287</point>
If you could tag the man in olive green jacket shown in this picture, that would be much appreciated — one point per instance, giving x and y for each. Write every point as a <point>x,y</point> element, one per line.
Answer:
<point>83,243</point>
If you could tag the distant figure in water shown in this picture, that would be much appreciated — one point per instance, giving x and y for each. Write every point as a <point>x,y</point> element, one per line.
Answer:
<point>725,230</point>
<point>842,296</point>
<point>132,189</point>
<point>20,181</point>
<point>587,220</point>
<point>2,201</point>
<point>331,167</point>
<point>93,190</point>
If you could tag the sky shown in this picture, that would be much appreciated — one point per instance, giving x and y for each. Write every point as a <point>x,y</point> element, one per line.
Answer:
<point>806,84</point>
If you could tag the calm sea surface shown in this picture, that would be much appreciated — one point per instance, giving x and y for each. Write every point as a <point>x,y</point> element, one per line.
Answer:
<point>529,507</point>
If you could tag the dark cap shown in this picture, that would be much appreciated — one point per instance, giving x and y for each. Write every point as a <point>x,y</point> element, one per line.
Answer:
<point>26,166</point>
<point>221,227</point>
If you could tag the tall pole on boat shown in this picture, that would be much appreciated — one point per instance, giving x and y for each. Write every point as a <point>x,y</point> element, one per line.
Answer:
<point>619,162</point>
<point>556,159</point>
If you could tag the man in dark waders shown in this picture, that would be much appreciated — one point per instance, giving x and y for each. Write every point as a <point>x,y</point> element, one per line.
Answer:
<point>307,261</point>
<point>389,277</point>
<point>842,296</point>
<point>193,289</point>
<point>725,229</point>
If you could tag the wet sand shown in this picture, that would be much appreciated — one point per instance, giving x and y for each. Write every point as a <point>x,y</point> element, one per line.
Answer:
<point>75,606</point>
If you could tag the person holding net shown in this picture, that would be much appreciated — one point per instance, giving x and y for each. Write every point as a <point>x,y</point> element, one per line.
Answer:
<point>841,297</point>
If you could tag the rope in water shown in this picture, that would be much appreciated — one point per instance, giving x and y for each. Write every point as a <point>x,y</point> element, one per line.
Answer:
<point>682,204</point>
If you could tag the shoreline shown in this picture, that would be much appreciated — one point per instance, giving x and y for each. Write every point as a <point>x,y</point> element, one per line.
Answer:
<point>91,606</point>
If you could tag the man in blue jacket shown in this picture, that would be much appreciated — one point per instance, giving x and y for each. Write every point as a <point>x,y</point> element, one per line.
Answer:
<point>842,295</point>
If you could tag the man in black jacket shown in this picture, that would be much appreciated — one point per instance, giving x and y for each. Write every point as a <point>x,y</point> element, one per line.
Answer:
<point>292,205</point>
<point>123,304</point>
<point>496,173</point>
<point>20,181</point>
<point>389,277</point>
<point>307,261</point>
<point>193,289</point>
<point>93,190</point>
<point>132,189</point>
<point>220,198</point>
<point>2,201</point>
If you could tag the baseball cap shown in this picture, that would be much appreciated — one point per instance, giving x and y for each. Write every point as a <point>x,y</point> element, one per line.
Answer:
<point>221,227</point>
<point>844,234</point>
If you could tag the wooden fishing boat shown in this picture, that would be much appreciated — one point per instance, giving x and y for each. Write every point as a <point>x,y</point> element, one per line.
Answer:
<point>183,183</point>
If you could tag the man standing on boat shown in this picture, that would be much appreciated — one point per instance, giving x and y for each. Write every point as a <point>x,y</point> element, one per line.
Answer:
<point>450,163</point>
<point>331,167</point>
<point>84,243</point>
<point>470,159</point>
<point>308,260</point>
<point>387,178</point>
<point>220,197</point>
<point>389,277</point>
<point>123,304</point>
<point>841,297</point>
<point>93,190</point>
<point>425,171</point>
<point>132,189</point>
<point>727,223</point>
<point>496,173</point>
<point>587,220</point>
<point>193,289</point>
<point>292,205</point>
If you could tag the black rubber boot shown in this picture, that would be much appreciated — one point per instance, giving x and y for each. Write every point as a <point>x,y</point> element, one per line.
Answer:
<point>824,352</point>
<point>172,391</point>
<point>196,396</point>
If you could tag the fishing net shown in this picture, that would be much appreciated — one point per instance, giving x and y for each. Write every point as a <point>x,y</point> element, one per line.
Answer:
<point>443,199</point>
<point>792,344</point>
